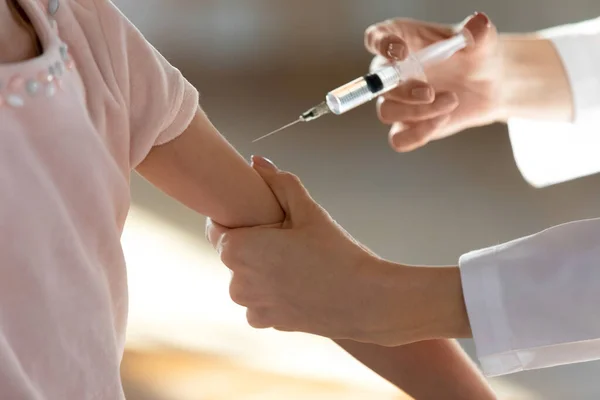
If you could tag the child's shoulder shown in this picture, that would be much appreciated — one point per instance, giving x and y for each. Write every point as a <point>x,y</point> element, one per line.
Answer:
<point>92,12</point>
<point>152,94</point>
<point>97,32</point>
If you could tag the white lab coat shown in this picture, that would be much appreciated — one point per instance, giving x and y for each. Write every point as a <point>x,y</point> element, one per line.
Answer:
<point>535,302</point>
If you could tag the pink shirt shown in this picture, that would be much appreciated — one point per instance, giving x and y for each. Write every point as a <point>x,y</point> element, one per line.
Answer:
<point>74,122</point>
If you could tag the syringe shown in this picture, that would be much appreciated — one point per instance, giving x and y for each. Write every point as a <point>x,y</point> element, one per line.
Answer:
<point>380,81</point>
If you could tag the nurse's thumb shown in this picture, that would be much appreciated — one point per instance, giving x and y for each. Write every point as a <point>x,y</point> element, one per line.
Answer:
<point>483,33</point>
<point>287,188</point>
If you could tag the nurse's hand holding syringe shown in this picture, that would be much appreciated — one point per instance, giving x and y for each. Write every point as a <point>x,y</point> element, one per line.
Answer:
<point>496,78</point>
<point>382,79</point>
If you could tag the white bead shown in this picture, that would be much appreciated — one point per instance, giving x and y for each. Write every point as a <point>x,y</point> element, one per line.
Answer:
<point>58,67</point>
<point>64,51</point>
<point>15,101</point>
<point>50,90</point>
<point>32,86</point>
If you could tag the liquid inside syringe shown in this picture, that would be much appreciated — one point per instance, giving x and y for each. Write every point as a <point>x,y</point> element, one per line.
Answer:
<point>380,81</point>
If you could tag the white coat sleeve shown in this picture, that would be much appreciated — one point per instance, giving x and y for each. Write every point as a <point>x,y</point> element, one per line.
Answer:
<point>535,302</point>
<point>547,153</point>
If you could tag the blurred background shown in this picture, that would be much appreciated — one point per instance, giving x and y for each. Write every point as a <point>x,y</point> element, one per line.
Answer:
<point>258,63</point>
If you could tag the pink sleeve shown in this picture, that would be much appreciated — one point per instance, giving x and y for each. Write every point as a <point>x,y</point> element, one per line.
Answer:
<point>160,101</point>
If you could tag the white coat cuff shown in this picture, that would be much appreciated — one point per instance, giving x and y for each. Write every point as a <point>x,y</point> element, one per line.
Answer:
<point>489,324</point>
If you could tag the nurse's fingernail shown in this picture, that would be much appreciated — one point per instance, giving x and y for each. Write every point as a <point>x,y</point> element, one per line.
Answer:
<point>482,19</point>
<point>262,162</point>
<point>397,51</point>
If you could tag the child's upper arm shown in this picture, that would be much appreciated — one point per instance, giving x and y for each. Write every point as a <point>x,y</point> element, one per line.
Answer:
<point>160,101</point>
<point>172,143</point>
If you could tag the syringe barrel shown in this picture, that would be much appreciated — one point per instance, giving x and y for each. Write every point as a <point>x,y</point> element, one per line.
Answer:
<point>366,88</point>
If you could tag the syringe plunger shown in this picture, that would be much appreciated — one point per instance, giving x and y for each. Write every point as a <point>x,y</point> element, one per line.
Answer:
<point>384,79</point>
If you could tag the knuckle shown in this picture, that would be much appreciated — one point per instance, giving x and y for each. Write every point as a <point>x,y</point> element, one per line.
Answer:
<point>438,122</point>
<point>236,293</point>
<point>259,318</point>
<point>290,179</point>
<point>420,112</point>
<point>229,256</point>
<point>224,256</point>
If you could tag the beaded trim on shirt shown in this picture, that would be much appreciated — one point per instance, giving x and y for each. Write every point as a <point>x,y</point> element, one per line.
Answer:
<point>48,81</point>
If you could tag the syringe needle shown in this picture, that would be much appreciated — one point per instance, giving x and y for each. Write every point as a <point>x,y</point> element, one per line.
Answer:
<point>278,130</point>
<point>316,112</point>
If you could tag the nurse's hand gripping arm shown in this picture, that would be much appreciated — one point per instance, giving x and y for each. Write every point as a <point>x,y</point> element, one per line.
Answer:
<point>531,303</point>
<point>495,78</point>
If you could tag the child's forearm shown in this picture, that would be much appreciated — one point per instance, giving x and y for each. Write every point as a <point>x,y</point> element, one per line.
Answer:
<point>203,171</point>
<point>435,369</point>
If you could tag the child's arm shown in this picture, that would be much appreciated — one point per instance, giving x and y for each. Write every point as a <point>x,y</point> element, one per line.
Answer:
<point>203,171</point>
<point>430,370</point>
<point>174,146</point>
<point>200,169</point>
